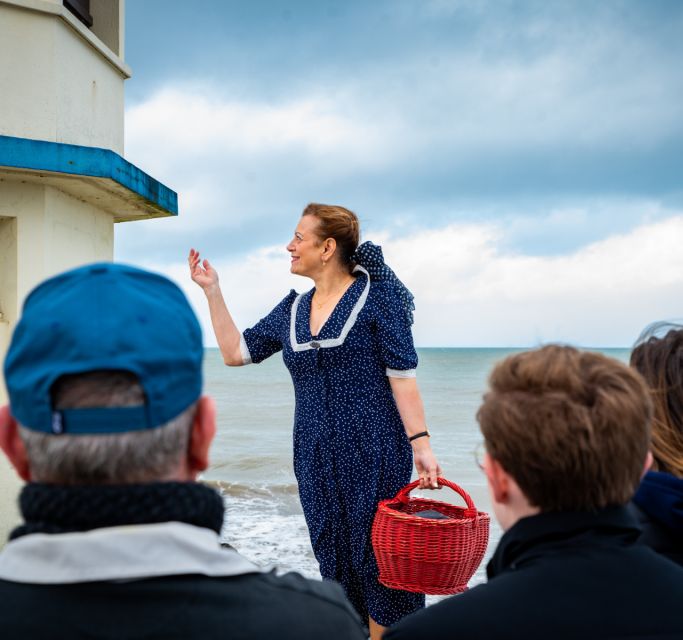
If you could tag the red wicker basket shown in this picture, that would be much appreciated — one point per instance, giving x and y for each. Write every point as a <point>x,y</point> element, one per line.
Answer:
<point>425,555</point>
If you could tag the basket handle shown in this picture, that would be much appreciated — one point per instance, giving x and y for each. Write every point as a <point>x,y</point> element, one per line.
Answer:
<point>470,512</point>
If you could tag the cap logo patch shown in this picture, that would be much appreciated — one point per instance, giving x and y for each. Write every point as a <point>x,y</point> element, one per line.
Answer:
<point>57,425</point>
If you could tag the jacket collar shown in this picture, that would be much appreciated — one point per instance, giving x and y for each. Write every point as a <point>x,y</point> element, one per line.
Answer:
<point>548,533</point>
<point>120,553</point>
<point>660,495</point>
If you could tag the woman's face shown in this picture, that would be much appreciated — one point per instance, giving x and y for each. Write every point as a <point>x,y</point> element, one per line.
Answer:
<point>306,249</point>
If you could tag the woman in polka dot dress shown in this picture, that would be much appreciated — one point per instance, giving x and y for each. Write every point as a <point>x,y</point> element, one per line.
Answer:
<point>359,421</point>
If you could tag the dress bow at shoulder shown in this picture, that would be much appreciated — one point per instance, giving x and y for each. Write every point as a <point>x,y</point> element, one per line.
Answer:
<point>369,256</point>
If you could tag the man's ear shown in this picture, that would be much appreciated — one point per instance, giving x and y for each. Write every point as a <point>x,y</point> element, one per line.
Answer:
<point>499,480</point>
<point>12,445</point>
<point>201,436</point>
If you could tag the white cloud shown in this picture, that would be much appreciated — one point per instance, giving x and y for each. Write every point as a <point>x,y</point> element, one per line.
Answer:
<point>471,292</point>
<point>231,156</point>
<point>231,159</point>
<point>602,294</point>
<point>520,103</point>
<point>200,121</point>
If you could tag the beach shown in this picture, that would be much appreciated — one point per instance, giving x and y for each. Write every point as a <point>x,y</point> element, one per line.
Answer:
<point>252,455</point>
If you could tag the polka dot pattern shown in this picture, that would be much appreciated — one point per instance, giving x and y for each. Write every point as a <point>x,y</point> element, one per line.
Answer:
<point>350,447</point>
<point>370,257</point>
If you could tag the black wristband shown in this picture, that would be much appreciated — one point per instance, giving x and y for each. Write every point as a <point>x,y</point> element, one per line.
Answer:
<point>419,435</point>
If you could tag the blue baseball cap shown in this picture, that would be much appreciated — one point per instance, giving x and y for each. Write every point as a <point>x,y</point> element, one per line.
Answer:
<point>104,316</point>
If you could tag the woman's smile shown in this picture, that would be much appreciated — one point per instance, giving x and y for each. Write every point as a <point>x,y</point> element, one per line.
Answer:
<point>304,248</point>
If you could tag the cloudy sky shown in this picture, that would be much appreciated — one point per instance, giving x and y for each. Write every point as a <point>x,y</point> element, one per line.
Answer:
<point>520,162</point>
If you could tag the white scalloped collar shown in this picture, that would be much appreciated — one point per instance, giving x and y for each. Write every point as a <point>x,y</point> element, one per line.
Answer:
<point>348,325</point>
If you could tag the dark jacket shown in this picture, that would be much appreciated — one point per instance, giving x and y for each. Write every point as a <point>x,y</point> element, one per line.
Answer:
<point>94,585</point>
<point>239,607</point>
<point>564,575</point>
<point>658,508</point>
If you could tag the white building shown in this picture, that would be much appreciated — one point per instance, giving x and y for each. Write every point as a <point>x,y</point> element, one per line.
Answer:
<point>63,179</point>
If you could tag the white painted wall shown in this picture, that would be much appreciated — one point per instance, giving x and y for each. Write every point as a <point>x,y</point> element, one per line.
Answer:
<point>51,232</point>
<point>44,231</point>
<point>58,81</point>
<point>108,24</point>
<point>9,482</point>
<point>8,274</point>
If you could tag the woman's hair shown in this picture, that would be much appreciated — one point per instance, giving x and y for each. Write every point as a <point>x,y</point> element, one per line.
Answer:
<point>658,356</point>
<point>338,223</point>
<point>571,427</point>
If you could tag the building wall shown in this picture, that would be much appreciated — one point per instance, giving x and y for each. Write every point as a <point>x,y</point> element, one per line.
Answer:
<point>108,23</point>
<point>59,82</point>
<point>8,282</point>
<point>42,231</point>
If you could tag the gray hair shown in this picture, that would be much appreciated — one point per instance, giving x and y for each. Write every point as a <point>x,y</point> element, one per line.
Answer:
<point>136,456</point>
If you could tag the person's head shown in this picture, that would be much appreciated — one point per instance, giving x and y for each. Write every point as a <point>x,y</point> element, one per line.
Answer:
<point>564,430</point>
<point>658,357</point>
<point>104,380</point>
<point>326,237</point>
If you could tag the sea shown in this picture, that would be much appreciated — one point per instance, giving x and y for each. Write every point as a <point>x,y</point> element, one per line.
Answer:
<point>251,461</point>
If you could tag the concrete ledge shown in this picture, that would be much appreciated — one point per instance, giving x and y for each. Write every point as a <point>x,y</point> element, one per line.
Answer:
<point>98,176</point>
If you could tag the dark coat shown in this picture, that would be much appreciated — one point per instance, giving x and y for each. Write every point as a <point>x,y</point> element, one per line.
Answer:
<point>564,575</point>
<point>146,561</point>
<point>658,508</point>
<point>179,607</point>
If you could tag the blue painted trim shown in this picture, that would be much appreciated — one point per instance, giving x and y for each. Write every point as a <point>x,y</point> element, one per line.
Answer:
<point>40,155</point>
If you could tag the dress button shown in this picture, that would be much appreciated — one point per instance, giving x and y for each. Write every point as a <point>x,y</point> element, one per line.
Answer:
<point>315,345</point>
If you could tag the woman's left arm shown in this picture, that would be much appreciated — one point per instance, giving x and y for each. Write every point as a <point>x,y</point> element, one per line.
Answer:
<point>411,409</point>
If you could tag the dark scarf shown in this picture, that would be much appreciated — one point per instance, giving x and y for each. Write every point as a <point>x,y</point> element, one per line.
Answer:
<point>660,495</point>
<point>49,508</point>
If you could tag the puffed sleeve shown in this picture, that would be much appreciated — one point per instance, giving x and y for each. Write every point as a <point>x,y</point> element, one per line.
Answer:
<point>394,334</point>
<point>265,338</point>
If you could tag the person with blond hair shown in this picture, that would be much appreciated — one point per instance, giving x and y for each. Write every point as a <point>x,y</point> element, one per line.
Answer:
<point>566,437</point>
<point>359,422</point>
<point>658,503</point>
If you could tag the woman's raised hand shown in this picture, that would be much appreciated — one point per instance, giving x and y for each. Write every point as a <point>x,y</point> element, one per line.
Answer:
<point>227,334</point>
<point>202,272</point>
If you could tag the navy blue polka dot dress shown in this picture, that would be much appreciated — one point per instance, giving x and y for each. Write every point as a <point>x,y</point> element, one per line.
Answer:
<point>350,447</point>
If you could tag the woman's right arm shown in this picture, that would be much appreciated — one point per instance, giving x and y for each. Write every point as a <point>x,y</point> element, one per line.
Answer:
<point>228,335</point>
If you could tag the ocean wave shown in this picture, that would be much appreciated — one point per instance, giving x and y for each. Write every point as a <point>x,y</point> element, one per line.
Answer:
<point>270,538</point>
<point>250,463</point>
<point>254,490</point>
